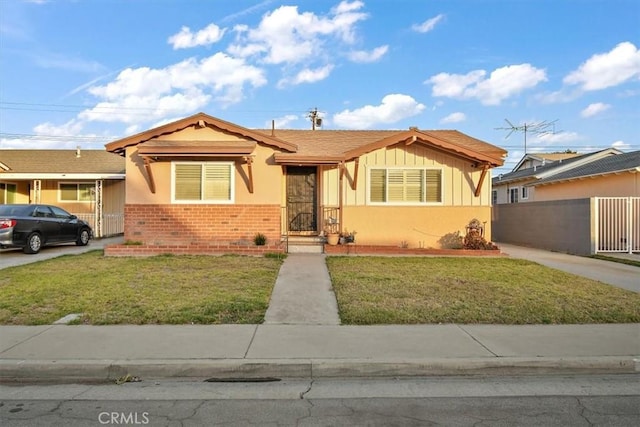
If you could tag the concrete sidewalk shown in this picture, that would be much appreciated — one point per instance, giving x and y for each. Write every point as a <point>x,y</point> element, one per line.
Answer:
<point>613,273</point>
<point>303,294</point>
<point>97,353</point>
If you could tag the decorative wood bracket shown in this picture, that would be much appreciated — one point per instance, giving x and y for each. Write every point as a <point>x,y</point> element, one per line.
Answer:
<point>354,183</point>
<point>485,168</point>
<point>249,161</point>
<point>147,167</point>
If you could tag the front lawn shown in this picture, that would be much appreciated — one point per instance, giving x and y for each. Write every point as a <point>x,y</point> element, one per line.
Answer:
<point>156,290</point>
<point>412,290</point>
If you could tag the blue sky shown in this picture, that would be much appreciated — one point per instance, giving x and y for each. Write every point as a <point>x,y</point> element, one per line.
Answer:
<point>85,72</point>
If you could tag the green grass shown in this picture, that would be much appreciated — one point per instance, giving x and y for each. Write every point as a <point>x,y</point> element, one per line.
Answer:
<point>412,290</point>
<point>616,259</point>
<point>157,290</point>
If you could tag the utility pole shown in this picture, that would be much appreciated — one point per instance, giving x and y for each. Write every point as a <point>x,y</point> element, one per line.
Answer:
<point>316,120</point>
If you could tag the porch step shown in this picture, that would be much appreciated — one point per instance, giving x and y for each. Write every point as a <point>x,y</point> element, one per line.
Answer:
<point>305,244</point>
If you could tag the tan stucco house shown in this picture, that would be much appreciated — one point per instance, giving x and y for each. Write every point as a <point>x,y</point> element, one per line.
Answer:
<point>530,179</point>
<point>204,184</point>
<point>86,183</point>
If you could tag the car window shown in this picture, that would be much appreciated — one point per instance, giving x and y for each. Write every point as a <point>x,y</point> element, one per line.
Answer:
<point>60,213</point>
<point>15,210</point>
<point>43,212</point>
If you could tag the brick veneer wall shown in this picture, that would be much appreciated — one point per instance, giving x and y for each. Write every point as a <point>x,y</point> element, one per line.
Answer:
<point>198,225</point>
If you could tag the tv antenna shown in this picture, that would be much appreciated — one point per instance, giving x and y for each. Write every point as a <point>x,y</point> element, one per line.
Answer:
<point>316,120</point>
<point>537,128</point>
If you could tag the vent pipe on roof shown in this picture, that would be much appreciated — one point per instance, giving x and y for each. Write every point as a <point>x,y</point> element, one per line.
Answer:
<point>78,152</point>
<point>273,128</point>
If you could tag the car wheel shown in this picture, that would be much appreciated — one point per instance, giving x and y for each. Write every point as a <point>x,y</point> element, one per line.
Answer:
<point>83,237</point>
<point>34,243</point>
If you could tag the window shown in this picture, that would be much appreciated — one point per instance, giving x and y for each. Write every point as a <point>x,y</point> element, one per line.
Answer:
<point>525,192</point>
<point>76,192</point>
<point>210,182</point>
<point>513,195</point>
<point>494,197</point>
<point>411,186</point>
<point>7,193</point>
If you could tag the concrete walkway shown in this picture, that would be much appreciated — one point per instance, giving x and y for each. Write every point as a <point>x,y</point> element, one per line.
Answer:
<point>303,294</point>
<point>613,273</point>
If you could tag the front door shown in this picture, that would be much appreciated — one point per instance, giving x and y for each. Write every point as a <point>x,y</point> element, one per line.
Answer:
<point>302,199</point>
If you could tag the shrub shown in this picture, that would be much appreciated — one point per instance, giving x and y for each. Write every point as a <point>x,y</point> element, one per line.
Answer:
<point>259,239</point>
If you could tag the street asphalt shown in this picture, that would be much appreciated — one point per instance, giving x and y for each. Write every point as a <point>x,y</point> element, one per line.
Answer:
<point>292,345</point>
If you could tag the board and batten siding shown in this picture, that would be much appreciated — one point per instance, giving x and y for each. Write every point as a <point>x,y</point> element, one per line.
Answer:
<point>459,176</point>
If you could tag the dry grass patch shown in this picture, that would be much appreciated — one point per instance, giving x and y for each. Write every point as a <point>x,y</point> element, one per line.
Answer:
<point>411,290</point>
<point>155,290</point>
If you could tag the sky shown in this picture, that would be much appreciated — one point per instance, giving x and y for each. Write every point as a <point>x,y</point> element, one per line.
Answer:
<point>87,72</point>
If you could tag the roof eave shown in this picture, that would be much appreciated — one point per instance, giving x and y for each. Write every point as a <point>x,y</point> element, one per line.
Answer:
<point>121,145</point>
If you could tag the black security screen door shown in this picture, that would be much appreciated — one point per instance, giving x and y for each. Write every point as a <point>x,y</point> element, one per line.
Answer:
<point>302,204</point>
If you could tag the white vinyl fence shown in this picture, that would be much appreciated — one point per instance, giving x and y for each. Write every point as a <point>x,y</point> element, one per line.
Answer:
<point>617,224</point>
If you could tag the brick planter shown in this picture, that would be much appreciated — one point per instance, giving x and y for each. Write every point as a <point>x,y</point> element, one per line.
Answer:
<point>354,249</point>
<point>150,250</point>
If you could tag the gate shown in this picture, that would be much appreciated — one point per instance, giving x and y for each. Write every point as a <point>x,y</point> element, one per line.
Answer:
<point>617,224</point>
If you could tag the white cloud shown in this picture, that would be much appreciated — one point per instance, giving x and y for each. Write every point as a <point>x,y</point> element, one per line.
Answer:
<point>47,135</point>
<point>363,56</point>
<point>503,83</point>
<point>427,25</point>
<point>283,122</point>
<point>454,118</point>
<point>604,70</point>
<point>286,36</point>
<point>394,107</point>
<point>205,37</point>
<point>559,137</point>
<point>594,109</point>
<point>621,145</point>
<point>143,94</point>
<point>308,76</point>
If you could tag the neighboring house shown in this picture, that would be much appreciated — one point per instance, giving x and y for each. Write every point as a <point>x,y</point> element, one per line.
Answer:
<point>202,182</point>
<point>611,176</point>
<point>520,186</point>
<point>583,205</point>
<point>87,183</point>
<point>538,159</point>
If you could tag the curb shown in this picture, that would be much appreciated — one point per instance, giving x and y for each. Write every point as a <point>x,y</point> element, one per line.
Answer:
<point>12,370</point>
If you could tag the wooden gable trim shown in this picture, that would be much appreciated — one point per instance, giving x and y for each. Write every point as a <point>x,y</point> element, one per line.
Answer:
<point>412,136</point>
<point>200,120</point>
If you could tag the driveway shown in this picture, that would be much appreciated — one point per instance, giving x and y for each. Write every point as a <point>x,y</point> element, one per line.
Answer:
<point>13,257</point>
<point>613,273</point>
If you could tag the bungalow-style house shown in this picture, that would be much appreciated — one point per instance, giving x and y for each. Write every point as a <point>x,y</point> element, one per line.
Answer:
<point>205,184</point>
<point>87,183</point>
<point>520,185</point>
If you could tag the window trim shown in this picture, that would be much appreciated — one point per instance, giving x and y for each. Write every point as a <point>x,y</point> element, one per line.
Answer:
<point>387,203</point>
<point>494,197</point>
<point>517,192</point>
<point>522,193</point>
<point>92,184</point>
<point>232,183</point>
<point>6,191</point>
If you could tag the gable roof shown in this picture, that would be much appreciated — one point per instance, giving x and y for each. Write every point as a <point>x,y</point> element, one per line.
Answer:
<point>316,146</point>
<point>625,162</point>
<point>33,163</point>
<point>197,120</point>
<point>551,168</point>
<point>544,157</point>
